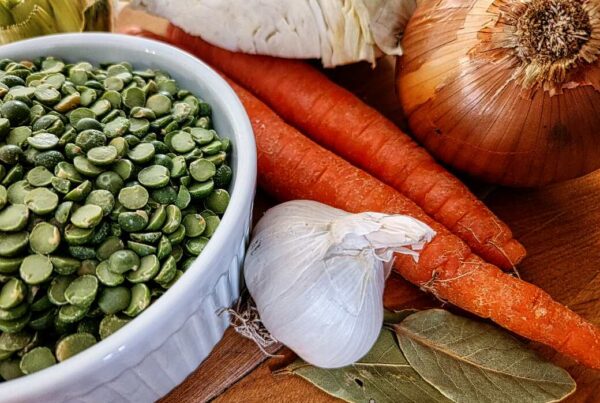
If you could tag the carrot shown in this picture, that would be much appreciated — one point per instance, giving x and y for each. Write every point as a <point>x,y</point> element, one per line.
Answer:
<point>291,166</point>
<point>341,122</point>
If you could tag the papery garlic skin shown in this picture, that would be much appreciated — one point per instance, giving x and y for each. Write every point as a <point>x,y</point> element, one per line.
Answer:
<point>336,31</point>
<point>317,274</point>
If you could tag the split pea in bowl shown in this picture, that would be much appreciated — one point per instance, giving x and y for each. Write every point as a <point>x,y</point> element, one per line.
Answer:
<point>153,353</point>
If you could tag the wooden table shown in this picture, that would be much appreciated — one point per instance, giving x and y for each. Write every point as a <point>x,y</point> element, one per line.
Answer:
<point>559,225</point>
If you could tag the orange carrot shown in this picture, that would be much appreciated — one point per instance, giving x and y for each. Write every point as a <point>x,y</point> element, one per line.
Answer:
<point>341,122</point>
<point>292,167</point>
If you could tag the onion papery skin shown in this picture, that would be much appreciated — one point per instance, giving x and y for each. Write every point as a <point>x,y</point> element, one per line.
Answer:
<point>457,85</point>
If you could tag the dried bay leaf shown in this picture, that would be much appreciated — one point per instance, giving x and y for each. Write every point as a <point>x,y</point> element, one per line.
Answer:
<point>470,361</point>
<point>393,317</point>
<point>383,375</point>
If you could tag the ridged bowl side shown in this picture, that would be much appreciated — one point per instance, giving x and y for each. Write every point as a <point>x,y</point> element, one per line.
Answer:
<point>181,353</point>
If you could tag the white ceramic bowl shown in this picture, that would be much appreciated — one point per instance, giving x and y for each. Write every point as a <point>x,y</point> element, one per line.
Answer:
<point>150,356</point>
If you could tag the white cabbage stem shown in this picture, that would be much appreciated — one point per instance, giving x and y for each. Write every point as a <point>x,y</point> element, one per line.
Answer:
<point>317,276</point>
<point>336,31</point>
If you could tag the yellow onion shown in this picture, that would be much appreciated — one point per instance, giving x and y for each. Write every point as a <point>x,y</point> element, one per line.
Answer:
<point>506,90</point>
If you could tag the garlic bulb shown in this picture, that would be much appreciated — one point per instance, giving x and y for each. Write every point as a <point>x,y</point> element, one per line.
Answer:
<point>335,31</point>
<point>317,276</point>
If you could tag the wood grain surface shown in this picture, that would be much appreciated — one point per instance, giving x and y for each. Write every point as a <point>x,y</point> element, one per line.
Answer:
<point>559,225</point>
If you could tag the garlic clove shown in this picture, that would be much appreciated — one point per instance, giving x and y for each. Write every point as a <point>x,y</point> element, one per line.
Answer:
<point>323,329</point>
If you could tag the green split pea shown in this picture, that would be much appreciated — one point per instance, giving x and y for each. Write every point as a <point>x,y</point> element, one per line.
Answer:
<point>112,181</point>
